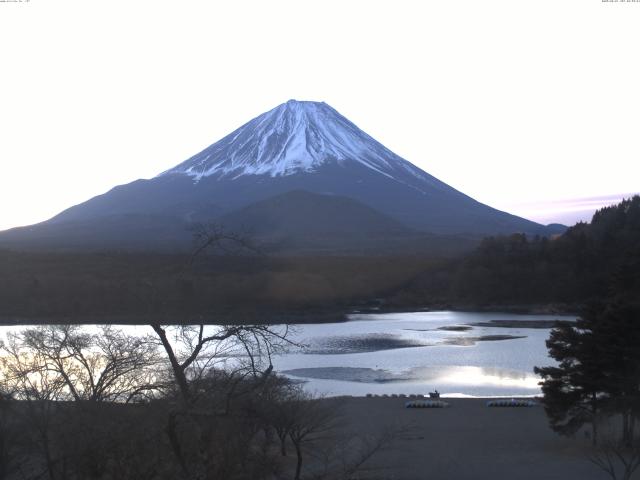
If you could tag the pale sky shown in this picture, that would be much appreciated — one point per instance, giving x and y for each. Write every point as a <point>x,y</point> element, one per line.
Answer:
<point>529,106</point>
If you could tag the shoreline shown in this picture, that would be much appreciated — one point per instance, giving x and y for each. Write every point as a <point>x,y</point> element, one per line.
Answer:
<point>285,318</point>
<point>528,309</point>
<point>461,396</point>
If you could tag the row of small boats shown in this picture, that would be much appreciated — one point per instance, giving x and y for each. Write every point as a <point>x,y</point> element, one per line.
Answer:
<point>491,403</point>
<point>511,403</point>
<point>426,404</point>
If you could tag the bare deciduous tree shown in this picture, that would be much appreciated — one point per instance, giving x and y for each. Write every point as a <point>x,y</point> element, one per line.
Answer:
<point>105,366</point>
<point>191,351</point>
<point>349,455</point>
<point>240,353</point>
<point>214,237</point>
<point>47,364</point>
<point>311,420</point>
<point>24,373</point>
<point>314,427</point>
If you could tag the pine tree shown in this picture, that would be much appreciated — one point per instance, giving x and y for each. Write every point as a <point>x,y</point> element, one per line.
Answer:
<point>574,390</point>
<point>598,372</point>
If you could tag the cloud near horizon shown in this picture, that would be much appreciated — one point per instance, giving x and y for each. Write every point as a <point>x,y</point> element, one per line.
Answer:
<point>567,211</point>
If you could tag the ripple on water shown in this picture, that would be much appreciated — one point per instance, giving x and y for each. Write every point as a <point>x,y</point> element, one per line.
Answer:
<point>361,344</point>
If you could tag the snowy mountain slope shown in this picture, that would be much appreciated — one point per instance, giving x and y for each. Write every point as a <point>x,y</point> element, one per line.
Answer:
<point>297,146</point>
<point>297,137</point>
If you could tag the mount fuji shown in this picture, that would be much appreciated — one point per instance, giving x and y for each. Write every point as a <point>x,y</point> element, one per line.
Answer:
<point>298,176</point>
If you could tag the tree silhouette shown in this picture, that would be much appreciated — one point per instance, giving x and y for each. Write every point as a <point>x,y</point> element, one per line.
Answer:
<point>598,372</point>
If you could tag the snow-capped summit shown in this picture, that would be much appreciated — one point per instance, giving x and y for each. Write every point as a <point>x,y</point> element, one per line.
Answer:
<point>296,136</point>
<point>300,174</point>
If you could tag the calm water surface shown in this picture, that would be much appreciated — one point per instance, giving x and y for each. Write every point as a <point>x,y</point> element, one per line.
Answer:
<point>419,352</point>
<point>414,353</point>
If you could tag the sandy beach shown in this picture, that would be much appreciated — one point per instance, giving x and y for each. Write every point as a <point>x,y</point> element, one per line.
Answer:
<point>468,440</point>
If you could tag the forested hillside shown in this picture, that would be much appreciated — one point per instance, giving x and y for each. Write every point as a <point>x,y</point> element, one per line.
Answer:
<point>588,261</point>
<point>125,287</point>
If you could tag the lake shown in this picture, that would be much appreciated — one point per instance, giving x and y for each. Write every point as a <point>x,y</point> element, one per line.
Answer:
<point>457,353</point>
